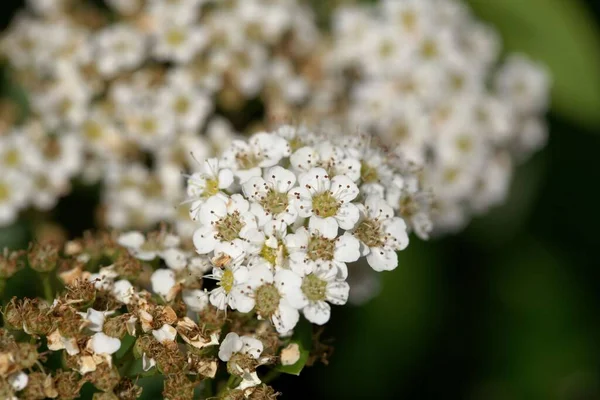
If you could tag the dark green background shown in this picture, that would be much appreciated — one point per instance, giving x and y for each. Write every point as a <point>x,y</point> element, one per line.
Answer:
<point>509,308</point>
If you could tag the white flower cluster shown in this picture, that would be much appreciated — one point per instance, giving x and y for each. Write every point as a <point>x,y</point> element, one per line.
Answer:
<point>281,214</point>
<point>36,169</point>
<point>422,75</point>
<point>143,88</point>
<point>133,85</point>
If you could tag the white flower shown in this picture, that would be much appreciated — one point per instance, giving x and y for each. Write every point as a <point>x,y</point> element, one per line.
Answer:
<point>380,234</point>
<point>274,297</point>
<point>101,343</point>
<point>271,196</point>
<point>225,220</point>
<point>119,47</point>
<point>245,345</point>
<point>320,287</point>
<point>209,180</point>
<point>233,343</point>
<point>230,275</point>
<point>307,248</point>
<point>178,42</point>
<point>327,201</point>
<point>247,158</point>
<point>325,155</point>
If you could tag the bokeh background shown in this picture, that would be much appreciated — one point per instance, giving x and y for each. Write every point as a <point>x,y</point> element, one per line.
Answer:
<point>509,308</point>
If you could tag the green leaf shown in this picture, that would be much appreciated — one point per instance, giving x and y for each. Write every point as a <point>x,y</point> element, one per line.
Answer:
<point>303,337</point>
<point>561,34</point>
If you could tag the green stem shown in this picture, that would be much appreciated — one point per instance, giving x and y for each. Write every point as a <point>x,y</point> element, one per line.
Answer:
<point>48,292</point>
<point>270,376</point>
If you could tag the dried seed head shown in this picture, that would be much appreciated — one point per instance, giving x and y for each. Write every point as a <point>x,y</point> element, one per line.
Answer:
<point>12,314</point>
<point>178,387</point>
<point>10,262</point>
<point>263,392</point>
<point>127,390</point>
<point>43,257</point>
<point>39,387</point>
<point>105,377</point>
<point>68,384</point>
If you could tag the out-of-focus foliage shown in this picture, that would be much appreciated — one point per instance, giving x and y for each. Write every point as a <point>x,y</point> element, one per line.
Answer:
<point>562,35</point>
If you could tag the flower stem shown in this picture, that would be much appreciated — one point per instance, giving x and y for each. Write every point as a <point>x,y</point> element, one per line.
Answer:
<point>48,292</point>
<point>270,376</point>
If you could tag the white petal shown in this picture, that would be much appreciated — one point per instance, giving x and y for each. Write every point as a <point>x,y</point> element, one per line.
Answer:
<point>286,317</point>
<point>337,292</point>
<point>225,178</point>
<point>103,344</point>
<point>326,227</point>
<point>396,227</point>
<point>347,248</point>
<point>165,334</point>
<point>347,216</point>
<point>18,381</point>
<point>280,179</point>
<point>317,312</point>
<point>204,239</point>
<point>315,180</point>
<point>175,259</point>
<point>163,281</point>
<point>343,188</point>
<point>382,259</point>
<point>252,346</point>
<point>133,240</point>
<point>123,291</point>
<point>196,299</point>
<point>230,345</point>
<point>213,209</point>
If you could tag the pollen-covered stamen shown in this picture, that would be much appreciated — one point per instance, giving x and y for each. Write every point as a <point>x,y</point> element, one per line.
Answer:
<point>247,160</point>
<point>229,227</point>
<point>369,232</point>
<point>320,248</point>
<point>368,174</point>
<point>314,288</point>
<point>275,202</point>
<point>266,299</point>
<point>226,281</point>
<point>325,205</point>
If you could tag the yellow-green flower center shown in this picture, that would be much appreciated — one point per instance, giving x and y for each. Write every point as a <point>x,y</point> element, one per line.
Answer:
<point>368,174</point>
<point>320,248</point>
<point>182,105</point>
<point>275,202</point>
<point>267,299</point>
<point>325,205</point>
<point>175,37</point>
<point>227,280</point>
<point>4,192</point>
<point>211,188</point>
<point>247,160</point>
<point>314,288</point>
<point>229,226</point>
<point>369,232</point>
<point>12,158</point>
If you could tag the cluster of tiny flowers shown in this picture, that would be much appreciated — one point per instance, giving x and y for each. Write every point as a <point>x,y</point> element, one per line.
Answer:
<point>118,308</point>
<point>423,76</point>
<point>282,214</point>
<point>133,87</point>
